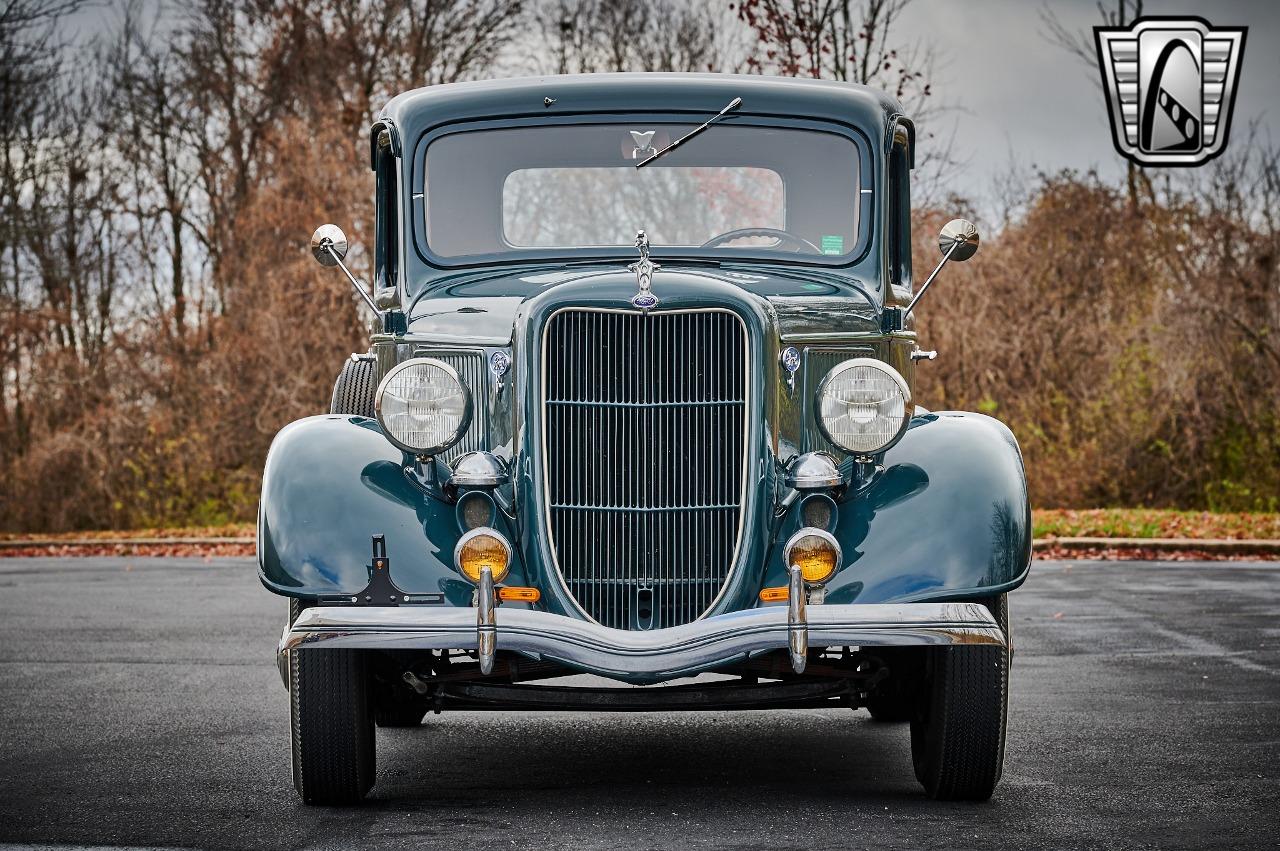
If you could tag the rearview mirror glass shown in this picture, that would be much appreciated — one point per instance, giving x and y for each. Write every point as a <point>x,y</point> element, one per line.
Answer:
<point>961,231</point>
<point>329,245</point>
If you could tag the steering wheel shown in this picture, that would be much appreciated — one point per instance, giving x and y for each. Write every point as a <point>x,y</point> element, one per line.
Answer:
<point>800,243</point>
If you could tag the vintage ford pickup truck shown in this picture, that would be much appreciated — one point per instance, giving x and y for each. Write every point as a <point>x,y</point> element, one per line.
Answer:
<point>639,404</point>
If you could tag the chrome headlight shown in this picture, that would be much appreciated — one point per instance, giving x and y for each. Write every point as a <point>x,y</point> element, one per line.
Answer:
<point>863,406</point>
<point>422,406</point>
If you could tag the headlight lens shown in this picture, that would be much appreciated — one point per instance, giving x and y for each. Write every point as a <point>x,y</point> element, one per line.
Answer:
<point>816,552</point>
<point>422,406</point>
<point>863,406</point>
<point>481,548</point>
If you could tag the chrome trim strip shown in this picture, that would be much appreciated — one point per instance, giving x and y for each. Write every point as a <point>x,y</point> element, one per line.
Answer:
<point>746,442</point>
<point>654,655</point>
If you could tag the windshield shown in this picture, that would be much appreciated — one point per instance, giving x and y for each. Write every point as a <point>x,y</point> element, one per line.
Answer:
<point>734,189</point>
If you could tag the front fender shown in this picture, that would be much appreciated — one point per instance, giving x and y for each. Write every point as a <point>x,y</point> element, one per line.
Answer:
<point>948,519</point>
<point>330,483</point>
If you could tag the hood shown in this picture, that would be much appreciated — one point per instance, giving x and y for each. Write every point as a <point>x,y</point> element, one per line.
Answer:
<point>482,309</point>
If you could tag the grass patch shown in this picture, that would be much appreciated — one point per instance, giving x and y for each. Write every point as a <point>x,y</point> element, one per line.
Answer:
<point>1153,523</point>
<point>226,530</point>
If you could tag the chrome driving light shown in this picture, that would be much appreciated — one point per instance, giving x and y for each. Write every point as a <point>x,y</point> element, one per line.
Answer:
<point>422,406</point>
<point>479,470</point>
<point>813,471</point>
<point>816,552</point>
<point>863,406</point>
<point>481,548</point>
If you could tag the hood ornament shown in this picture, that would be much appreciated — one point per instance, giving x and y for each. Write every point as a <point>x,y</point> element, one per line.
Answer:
<point>643,140</point>
<point>644,269</point>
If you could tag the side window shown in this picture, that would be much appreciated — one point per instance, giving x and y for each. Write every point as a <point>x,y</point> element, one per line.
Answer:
<point>387,254</point>
<point>899,218</point>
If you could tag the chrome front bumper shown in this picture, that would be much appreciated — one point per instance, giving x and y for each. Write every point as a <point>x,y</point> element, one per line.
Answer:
<point>637,656</point>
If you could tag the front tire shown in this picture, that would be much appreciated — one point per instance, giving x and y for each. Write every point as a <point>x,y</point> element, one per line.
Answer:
<point>354,390</point>
<point>331,726</point>
<point>958,734</point>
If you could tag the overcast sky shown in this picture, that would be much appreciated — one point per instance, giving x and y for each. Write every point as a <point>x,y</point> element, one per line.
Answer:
<point>1021,93</point>
<point>1013,91</point>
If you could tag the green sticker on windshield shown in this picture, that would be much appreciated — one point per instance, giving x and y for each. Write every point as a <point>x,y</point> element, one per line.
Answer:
<point>832,244</point>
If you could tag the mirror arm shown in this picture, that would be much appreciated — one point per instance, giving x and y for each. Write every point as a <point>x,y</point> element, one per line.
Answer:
<point>355,282</point>
<point>929,280</point>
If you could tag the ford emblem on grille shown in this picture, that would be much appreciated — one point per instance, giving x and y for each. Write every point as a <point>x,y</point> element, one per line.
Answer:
<point>644,269</point>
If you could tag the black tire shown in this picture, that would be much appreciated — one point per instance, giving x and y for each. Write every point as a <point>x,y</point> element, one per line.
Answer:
<point>353,391</point>
<point>331,725</point>
<point>999,606</point>
<point>958,736</point>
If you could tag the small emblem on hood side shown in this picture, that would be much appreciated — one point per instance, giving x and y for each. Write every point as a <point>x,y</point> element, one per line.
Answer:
<point>644,269</point>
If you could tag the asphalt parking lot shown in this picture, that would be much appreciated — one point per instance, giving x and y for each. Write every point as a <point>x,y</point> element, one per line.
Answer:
<point>140,706</point>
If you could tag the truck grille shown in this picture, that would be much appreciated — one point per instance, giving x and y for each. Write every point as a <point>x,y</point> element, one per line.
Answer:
<point>644,422</point>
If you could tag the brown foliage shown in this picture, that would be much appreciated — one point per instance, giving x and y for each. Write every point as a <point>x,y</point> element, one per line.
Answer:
<point>161,318</point>
<point>1133,351</point>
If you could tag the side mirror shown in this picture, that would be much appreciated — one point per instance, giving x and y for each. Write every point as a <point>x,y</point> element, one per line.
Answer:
<point>329,246</point>
<point>957,241</point>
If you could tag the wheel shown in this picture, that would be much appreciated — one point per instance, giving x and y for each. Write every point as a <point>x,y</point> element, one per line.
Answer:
<point>354,389</point>
<point>999,606</point>
<point>958,735</point>
<point>331,725</point>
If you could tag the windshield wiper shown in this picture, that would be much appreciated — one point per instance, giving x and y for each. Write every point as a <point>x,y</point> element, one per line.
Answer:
<point>733,104</point>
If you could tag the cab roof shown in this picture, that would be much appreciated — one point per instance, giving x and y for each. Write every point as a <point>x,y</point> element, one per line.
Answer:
<point>418,110</point>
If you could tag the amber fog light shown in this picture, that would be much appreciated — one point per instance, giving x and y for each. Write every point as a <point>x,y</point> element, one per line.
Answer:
<point>481,548</point>
<point>815,552</point>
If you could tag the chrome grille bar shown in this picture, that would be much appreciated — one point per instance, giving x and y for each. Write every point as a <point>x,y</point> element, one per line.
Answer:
<point>644,453</point>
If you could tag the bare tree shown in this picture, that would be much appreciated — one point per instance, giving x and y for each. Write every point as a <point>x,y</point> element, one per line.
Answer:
<point>850,40</point>
<point>856,41</point>
<point>587,36</point>
<point>148,117</point>
<point>1083,47</point>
